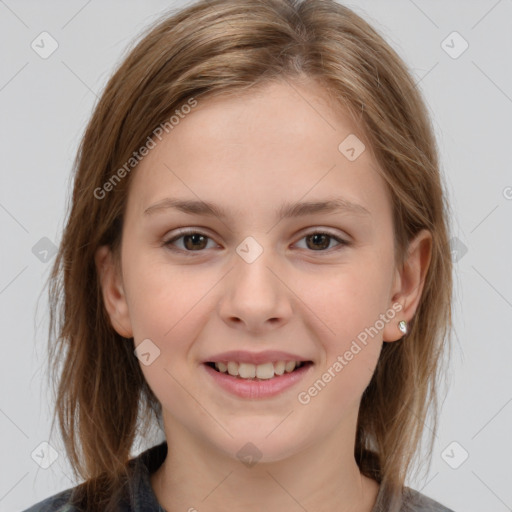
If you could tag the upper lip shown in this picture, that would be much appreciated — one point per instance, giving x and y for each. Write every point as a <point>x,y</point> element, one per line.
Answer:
<point>243,356</point>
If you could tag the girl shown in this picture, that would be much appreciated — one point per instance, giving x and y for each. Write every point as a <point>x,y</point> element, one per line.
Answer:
<point>257,259</point>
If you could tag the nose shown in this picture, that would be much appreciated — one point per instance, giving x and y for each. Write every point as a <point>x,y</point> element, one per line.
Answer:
<point>255,297</point>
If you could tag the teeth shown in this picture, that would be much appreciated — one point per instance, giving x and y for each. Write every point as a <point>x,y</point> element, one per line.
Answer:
<point>246,371</point>
<point>261,371</point>
<point>289,366</point>
<point>233,368</point>
<point>279,367</point>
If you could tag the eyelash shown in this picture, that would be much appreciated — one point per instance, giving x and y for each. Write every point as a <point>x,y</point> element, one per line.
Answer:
<point>185,232</point>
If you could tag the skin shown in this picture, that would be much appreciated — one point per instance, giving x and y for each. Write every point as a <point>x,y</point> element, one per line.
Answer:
<point>250,154</point>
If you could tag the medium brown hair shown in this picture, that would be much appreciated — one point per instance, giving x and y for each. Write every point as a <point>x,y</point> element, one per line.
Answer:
<point>222,47</point>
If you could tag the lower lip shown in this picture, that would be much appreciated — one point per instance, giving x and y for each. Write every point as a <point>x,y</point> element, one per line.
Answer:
<point>256,389</point>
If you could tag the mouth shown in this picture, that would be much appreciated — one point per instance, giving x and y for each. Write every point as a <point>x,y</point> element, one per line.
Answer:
<point>256,373</point>
<point>256,383</point>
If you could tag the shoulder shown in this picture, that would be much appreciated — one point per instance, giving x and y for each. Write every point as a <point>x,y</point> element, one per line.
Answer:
<point>57,503</point>
<point>136,494</point>
<point>414,501</point>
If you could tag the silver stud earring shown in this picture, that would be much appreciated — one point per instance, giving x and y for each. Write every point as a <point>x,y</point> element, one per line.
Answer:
<point>402,325</point>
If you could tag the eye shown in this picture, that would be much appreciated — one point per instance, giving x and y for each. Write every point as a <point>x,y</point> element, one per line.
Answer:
<point>321,240</point>
<point>193,241</point>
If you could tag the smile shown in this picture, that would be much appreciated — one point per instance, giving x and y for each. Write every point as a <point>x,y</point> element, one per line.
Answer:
<point>244,380</point>
<point>263,371</point>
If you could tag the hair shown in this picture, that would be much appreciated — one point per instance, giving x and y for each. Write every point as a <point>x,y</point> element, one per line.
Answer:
<point>221,48</point>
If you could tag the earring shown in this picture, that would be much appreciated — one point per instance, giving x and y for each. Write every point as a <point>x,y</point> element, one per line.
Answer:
<point>402,325</point>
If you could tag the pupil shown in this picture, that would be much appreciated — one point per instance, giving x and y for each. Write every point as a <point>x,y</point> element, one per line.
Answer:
<point>195,238</point>
<point>318,237</point>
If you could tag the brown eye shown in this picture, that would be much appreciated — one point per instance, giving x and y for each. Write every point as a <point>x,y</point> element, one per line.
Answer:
<point>196,241</point>
<point>191,241</point>
<point>318,241</point>
<point>321,242</point>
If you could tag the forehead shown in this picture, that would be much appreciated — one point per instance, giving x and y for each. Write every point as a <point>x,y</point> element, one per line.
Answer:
<point>276,144</point>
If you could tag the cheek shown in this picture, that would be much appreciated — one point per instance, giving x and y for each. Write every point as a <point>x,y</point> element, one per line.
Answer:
<point>166,308</point>
<point>349,309</point>
<point>348,299</point>
<point>161,296</point>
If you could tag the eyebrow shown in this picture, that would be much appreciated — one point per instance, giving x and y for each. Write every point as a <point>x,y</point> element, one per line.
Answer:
<point>287,210</point>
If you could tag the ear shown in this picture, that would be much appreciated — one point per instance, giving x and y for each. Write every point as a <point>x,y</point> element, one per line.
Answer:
<point>408,283</point>
<point>109,275</point>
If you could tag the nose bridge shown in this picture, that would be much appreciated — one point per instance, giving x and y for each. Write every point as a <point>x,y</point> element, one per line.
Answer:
<point>254,296</point>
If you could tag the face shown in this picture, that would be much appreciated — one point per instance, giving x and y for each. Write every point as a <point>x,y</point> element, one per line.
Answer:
<point>249,278</point>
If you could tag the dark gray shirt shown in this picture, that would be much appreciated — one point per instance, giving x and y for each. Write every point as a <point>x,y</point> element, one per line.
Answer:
<point>142,498</point>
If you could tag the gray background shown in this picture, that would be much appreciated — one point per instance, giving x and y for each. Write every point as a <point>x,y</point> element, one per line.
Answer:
<point>45,104</point>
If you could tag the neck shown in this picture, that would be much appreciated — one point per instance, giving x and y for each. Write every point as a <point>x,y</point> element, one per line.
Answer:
<point>196,477</point>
